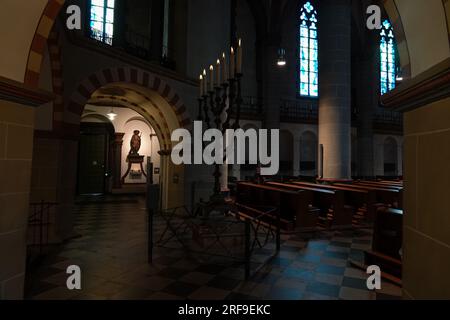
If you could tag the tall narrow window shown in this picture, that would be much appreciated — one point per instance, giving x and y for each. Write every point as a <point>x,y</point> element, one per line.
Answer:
<point>309,48</point>
<point>388,65</point>
<point>102,20</point>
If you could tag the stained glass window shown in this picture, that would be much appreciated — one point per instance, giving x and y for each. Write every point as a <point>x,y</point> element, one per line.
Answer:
<point>102,20</point>
<point>388,65</point>
<point>309,58</point>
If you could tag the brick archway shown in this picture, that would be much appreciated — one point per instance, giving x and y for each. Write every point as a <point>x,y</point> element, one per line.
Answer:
<point>39,42</point>
<point>130,75</point>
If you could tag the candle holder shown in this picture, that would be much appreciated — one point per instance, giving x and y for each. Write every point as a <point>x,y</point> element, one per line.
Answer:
<point>200,109</point>
<point>206,111</point>
<point>231,96</point>
<point>238,101</point>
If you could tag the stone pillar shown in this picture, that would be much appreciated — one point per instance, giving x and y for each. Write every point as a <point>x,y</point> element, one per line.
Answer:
<point>165,178</point>
<point>297,155</point>
<point>117,168</point>
<point>368,100</point>
<point>16,149</point>
<point>366,106</point>
<point>335,89</point>
<point>270,83</point>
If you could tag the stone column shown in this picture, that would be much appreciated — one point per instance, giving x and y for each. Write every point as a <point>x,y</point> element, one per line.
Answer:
<point>366,106</point>
<point>368,100</point>
<point>270,84</point>
<point>297,155</point>
<point>335,88</point>
<point>117,168</point>
<point>16,148</point>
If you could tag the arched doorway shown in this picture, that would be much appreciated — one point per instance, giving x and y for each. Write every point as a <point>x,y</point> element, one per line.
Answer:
<point>97,134</point>
<point>159,114</point>
<point>390,155</point>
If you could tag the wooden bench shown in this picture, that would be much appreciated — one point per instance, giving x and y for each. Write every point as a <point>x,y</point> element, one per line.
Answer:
<point>293,206</point>
<point>365,201</point>
<point>333,209</point>
<point>387,196</point>
<point>378,185</point>
<point>386,244</point>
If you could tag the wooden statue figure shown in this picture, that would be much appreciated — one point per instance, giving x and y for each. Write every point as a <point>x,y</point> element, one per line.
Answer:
<point>135,143</point>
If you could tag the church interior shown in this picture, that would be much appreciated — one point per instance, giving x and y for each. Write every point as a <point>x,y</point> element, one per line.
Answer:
<point>92,92</point>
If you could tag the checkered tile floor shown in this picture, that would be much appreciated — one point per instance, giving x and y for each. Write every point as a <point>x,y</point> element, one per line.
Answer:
<point>112,254</point>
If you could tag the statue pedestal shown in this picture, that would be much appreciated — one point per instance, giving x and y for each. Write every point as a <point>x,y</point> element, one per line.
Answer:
<point>134,159</point>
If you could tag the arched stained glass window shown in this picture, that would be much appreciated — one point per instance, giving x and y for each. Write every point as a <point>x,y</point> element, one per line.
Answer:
<point>388,66</point>
<point>309,52</point>
<point>102,20</point>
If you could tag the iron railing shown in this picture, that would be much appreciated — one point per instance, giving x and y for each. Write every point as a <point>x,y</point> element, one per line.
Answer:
<point>298,111</point>
<point>39,223</point>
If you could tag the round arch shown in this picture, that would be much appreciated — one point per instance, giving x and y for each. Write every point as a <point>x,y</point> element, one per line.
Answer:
<point>159,107</point>
<point>133,76</point>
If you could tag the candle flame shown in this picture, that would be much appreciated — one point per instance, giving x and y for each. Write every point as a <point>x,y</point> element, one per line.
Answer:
<point>223,55</point>
<point>204,72</point>
<point>218,61</point>
<point>240,42</point>
<point>232,50</point>
<point>211,68</point>
<point>201,77</point>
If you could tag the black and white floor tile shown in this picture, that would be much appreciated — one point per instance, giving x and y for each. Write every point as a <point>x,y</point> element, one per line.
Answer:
<point>111,250</point>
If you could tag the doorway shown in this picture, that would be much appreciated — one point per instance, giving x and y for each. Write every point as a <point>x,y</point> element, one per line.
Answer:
<point>93,158</point>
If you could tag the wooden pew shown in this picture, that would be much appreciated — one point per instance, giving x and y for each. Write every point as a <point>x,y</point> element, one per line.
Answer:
<point>386,244</point>
<point>398,183</point>
<point>293,206</point>
<point>384,195</point>
<point>378,185</point>
<point>334,211</point>
<point>365,201</point>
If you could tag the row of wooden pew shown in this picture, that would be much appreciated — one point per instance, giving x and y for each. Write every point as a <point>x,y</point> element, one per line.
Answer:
<point>305,205</point>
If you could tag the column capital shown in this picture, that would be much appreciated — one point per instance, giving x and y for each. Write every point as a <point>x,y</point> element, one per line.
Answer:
<point>118,137</point>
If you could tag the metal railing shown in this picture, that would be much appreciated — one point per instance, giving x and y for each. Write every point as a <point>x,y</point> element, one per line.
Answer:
<point>138,45</point>
<point>101,36</point>
<point>298,111</point>
<point>39,223</point>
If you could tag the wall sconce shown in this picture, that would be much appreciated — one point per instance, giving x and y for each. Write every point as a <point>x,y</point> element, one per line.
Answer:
<point>112,115</point>
<point>281,62</point>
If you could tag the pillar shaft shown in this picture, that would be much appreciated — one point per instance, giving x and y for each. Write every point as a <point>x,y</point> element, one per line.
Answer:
<point>335,89</point>
<point>366,105</point>
<point>117,168</point>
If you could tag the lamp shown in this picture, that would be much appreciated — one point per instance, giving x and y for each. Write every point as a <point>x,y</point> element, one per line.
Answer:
<point>281,62</point>
<point>112,115</point>
<point>399,77</point>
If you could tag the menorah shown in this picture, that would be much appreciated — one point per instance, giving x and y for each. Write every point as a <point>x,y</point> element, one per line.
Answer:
<point>221,94</point>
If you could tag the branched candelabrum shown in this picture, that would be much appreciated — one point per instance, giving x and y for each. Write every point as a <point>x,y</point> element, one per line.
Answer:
<point>238,102</point>
<point>216,101</point>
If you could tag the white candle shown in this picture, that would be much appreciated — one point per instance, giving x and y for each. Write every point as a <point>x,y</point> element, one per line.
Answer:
<point>239,58</point>
<point>201,86</point>
<point>225,74</point>
<point>205,83</point>
<point>211,77</point>
<point>232,64</point>
<point>218,70</point>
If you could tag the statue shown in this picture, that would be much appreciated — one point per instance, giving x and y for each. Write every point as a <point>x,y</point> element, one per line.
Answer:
<point>135,143</point>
